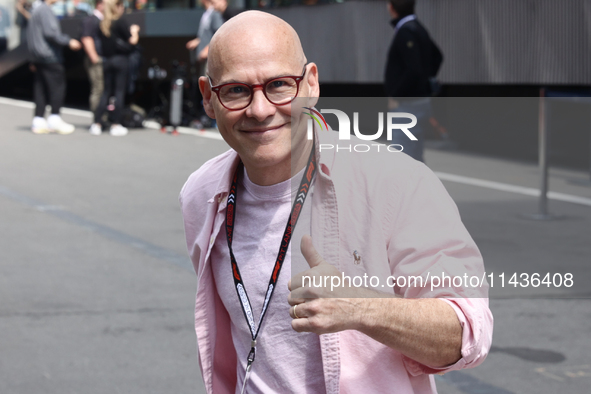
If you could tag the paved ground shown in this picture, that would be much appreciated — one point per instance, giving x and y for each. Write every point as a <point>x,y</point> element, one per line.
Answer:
<point>97,291</point>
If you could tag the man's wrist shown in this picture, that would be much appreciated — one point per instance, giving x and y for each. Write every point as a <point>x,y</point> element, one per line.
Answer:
<point>371,314</point>
<point>369,310</point>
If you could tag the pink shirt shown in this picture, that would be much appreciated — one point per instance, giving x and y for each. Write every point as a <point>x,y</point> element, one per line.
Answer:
<point>399,218</point>
<point>261,215</point>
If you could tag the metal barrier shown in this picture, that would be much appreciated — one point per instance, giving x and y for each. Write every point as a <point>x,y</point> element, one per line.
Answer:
<point>543,213</point>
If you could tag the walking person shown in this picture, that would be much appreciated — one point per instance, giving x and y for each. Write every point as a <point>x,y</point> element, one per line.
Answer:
<point>413,62</point>
<point>45,40</point>
<point>117,39</point>
<point>93,62</point>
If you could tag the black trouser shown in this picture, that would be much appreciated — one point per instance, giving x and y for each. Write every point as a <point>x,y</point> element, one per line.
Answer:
<point>49,87</point>
<point>115,74</point>
<point>3,44</point>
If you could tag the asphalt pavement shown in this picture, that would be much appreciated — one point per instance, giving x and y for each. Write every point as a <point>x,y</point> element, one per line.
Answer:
<point>97,291</point>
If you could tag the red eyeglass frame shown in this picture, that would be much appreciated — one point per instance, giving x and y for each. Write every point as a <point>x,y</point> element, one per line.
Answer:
<point>296,78</point>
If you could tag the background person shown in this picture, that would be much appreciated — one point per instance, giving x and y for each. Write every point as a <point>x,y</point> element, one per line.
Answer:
<point>210,22</point>
<point>79,8</point>
<point>221,6</point>
<point>23,8</point>
<point>4,29</point>
<point>413,62</point>
<point>93,62</point>
<point>117,40</point>
<point>45,40</point>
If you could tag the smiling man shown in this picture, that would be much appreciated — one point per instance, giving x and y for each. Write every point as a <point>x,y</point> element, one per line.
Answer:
<point>259,329</point>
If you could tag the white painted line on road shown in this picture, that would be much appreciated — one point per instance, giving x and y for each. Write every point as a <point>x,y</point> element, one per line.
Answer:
<point>505,187</point>
<point>29,105</point>
<point>77,112</point>
<point>206,133</point>
<point>17,103</point>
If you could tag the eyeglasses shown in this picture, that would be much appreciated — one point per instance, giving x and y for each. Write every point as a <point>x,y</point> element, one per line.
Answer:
<point>279,91</point>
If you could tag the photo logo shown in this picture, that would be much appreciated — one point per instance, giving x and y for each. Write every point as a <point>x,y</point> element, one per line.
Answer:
<point>316,119</point>
<point>345,124</point>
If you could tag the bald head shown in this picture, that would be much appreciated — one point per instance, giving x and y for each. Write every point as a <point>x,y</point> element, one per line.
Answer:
<point>252,38</point>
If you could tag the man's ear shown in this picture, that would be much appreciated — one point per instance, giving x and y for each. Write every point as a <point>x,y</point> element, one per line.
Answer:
<point>392,11</point>
<point>313,84</point>
<point>206,93</point>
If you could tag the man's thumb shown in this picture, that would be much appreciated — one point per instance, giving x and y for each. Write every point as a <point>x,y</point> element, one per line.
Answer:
<point>309,251</point>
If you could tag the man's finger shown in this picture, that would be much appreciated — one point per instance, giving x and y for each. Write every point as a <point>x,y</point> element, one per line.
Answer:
<point>300,325</point>
<point>309,251</point>
<point>298,311</point>
<point>293,300</point>
<point>306,293</point>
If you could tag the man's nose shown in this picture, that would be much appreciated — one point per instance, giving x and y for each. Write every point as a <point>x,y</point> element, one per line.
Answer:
<point>260,108</point>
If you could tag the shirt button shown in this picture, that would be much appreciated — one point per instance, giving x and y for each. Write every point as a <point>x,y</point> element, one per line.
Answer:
<point>212,240</point>
<point>220,199</point>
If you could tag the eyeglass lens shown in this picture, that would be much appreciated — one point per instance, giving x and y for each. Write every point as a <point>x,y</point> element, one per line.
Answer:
<point>278,91</point>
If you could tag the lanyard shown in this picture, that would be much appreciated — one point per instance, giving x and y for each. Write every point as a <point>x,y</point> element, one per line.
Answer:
<point>291,223</point>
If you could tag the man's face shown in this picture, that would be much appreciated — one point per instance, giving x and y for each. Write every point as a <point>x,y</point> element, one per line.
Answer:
<point>262,132</point>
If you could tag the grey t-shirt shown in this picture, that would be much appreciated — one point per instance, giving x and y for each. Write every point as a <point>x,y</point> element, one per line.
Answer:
<point>210,22</point>
<point>44,35</point>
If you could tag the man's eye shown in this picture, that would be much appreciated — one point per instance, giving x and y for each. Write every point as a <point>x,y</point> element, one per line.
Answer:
<point>236,89</point>
<point>277,84</point>
<point>281,86</point>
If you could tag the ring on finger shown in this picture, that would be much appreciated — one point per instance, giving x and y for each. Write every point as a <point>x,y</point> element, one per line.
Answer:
<point>294,312</point>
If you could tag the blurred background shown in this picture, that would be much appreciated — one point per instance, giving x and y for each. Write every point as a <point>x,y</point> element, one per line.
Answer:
<point>96,289</point>
<point>491,49</point>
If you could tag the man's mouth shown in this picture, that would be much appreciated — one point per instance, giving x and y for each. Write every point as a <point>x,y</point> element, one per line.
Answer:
<point>261,129</point>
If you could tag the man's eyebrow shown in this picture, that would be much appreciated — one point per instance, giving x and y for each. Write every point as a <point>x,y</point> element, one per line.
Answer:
<point>229,81</point>
<point>287,74</point>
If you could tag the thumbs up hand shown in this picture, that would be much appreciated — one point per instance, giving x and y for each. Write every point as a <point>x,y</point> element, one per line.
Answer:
<point>319,303</point>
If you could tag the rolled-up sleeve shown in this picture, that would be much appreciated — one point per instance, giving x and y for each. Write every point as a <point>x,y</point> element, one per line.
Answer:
<point>429,240</point>
<point>477,323</point>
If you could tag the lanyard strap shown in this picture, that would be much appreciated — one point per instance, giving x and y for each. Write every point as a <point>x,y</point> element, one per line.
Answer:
<point>285,240</point>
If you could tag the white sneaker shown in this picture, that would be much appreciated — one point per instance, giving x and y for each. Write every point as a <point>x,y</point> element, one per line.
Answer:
<point>118,131</point>
<point>39,125</point>
<point>56,124</point>
<point>95,129</point>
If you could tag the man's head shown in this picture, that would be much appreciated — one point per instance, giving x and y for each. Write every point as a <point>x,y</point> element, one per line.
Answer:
<point>253,48</point>
<point>401,8</point>
<point>220,5</point>
<point>99,5</point>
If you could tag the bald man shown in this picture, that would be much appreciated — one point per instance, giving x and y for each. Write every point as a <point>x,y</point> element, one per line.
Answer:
<point>259,328</point>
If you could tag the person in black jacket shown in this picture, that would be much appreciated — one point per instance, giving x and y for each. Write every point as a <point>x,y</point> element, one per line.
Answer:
<point>117,39</point>
<point>413,62</point>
